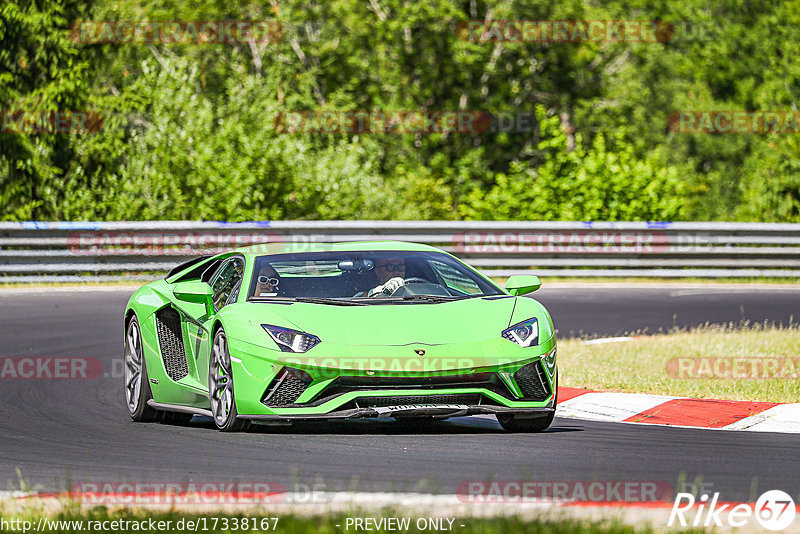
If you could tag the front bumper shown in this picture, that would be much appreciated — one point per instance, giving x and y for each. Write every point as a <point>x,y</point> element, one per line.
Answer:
<point>439,412</point>
<point>503,378</point>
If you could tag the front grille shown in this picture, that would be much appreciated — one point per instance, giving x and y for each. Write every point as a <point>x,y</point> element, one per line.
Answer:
<point>286,388</point>
<point>346,384</point>
<point>532,382</point>
<point>421,382</point>
<point>170,340</point>
<point>470,399</point>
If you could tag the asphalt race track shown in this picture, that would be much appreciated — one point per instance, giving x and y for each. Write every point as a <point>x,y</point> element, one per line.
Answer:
<point>59,432</point>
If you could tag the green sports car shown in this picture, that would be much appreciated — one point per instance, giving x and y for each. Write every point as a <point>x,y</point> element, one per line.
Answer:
<point>275,333</point>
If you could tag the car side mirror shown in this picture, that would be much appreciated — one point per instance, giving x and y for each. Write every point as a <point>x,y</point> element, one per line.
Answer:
<point>196,293</point>
<point>193,291</point>
<point>522,284</point>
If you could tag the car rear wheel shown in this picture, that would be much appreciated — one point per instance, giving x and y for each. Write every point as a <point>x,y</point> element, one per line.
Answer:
<point>137,385</point>
<point>220,386</point>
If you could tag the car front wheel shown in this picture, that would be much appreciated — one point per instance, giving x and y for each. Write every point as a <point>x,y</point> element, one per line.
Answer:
<point>514,423</point>
<point>137,385</point>
<point>220,386</point>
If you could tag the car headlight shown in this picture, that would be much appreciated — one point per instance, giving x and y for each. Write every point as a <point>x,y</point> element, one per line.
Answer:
<point>524,334</point>
<point>289,340</point>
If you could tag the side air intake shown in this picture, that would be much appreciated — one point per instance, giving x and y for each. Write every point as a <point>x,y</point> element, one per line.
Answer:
<point>286,388</point>
<point>170,340</point>
<point>532,382</point>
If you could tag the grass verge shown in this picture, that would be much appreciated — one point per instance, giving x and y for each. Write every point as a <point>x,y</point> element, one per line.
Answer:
<point>744,361</point>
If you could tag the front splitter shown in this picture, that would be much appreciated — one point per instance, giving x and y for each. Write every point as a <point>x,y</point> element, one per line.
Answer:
<point>433,411</point>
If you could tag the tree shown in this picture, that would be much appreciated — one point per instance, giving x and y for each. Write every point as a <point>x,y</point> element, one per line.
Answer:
<point>41,71</point>
<point>584,183</point>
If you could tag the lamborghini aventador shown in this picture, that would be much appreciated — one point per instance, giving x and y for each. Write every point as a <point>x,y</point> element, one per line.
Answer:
<point>276,333</point>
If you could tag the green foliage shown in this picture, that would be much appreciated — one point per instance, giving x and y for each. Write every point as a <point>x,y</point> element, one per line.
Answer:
<point>178,155</point>
<point>771,183</point>
<point>189,129</point>
<point>40,71</point>
<point>581,183</point>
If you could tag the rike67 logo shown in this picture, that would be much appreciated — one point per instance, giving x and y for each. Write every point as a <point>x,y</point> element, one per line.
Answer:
<point>774,510</point>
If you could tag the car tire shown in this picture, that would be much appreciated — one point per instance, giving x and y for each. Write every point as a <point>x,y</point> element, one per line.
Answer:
<point>137,384</point>
<point>220,386</point>
<point>512,423</point>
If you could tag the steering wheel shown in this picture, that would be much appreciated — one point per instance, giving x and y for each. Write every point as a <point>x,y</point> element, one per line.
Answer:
<point>412,280</point>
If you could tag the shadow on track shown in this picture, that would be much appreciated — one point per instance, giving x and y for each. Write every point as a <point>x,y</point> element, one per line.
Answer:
<point>454,426</point>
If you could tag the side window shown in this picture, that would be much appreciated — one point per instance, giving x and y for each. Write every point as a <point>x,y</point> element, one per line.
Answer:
<point>234,294</point>
<point>226,280</point>
<point>456,280</point>
<point>209,271</point>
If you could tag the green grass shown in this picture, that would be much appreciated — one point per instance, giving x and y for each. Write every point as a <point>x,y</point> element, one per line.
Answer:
<point>652,364</point>
<point>300,524</point>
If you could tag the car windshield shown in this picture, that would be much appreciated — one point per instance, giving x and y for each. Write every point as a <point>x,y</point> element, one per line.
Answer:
<point>366,277</point>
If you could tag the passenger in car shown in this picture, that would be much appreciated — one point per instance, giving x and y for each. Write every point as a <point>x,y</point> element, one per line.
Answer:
<point>267,282</point>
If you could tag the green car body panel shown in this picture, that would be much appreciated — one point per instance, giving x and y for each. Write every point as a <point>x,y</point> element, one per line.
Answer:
<point>423,340</point>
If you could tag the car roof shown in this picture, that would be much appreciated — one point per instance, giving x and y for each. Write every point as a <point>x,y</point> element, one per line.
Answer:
<point>291,246</point>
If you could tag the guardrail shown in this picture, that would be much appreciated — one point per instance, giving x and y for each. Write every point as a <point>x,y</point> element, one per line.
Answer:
<point>98,251</point>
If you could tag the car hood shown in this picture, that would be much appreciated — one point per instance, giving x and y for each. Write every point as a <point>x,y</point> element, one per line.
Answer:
<point>467,320</point>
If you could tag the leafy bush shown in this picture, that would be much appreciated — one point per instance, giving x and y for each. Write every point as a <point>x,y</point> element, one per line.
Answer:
<point>189,132</point>
<point>771,183</point>
<point>581,183</point>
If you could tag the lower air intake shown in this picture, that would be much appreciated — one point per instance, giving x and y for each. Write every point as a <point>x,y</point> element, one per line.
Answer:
<point>470,399</point>
<point>286,388</point>
<point>170,340</point>
<point>532,382</point>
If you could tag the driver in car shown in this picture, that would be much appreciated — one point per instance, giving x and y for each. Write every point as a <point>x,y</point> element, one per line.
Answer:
<point>390,273</point>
